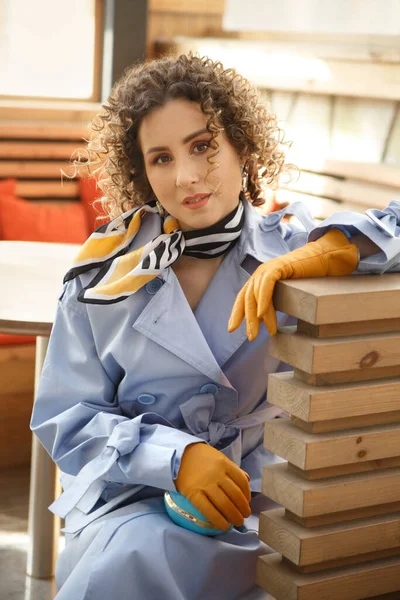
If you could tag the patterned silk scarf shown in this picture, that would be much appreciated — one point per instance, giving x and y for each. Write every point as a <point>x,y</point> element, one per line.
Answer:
<point>123,272</point>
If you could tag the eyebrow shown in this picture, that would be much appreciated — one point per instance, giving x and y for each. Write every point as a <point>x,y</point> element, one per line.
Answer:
<point>185,140</point>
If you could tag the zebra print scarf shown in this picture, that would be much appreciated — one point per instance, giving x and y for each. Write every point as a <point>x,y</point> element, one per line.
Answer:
<point>123,272</point>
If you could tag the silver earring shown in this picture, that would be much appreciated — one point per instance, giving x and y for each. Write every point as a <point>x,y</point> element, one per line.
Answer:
<point>245,179</point>
<point>160,209</point>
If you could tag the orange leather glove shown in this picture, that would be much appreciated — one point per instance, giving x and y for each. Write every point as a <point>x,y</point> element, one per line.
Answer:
<point>331,255</point>
<point>215,485</point>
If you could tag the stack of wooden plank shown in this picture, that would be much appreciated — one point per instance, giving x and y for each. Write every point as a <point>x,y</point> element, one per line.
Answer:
<point>337,535</point>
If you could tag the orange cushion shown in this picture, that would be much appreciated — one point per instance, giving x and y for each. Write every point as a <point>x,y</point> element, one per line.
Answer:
<point>89,192</point>
<point>31,222</point>
<point>8,186</point>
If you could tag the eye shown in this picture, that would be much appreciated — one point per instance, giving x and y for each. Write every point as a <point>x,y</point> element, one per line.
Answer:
<point>203,146</point>
<point>159,160</point>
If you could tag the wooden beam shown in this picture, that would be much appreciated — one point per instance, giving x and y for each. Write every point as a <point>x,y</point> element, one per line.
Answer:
<point>349,583</point>
<point>307,73</point>
<point>343,377</point>
<point>304,546</point>
<point>362,467</point>
<point>356,192</point>
<point>331,449</point>
<point>347,423</point>
<point>340,299</point>
<point>35,150</point>
<point>314,355</point>
<point>348,492</point>
<point>345,329</point>
<point>335,402</point>
<point>346,515</point>
<point>184,7</point>
<point>48,189</point>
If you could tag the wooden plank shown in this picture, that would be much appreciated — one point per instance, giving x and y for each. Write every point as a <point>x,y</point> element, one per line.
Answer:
<point>182,6</point>
<point>48,189</point>
<point>314,355</point>
<point>360,127</point>
<point>42,130</point>
<point>320,208</point>
<point>347,191</point>
<point>48,110</point>
<point>336,402</point>
<point>304,546</point>
<point>319,450</point>
<point>348,423</point>
<point>309,127</point>
<point>346,515</point>
<point>347,492</point>
<point>344,377</point>
<point>348,583</point>
<point>34,169</point>
<point>383,174</point>
<point>344,562</point>
<point>340,299</point>
<point>36,150</point>
<point>345,329</point>
<point>331,76</point>
<point>362,467</point>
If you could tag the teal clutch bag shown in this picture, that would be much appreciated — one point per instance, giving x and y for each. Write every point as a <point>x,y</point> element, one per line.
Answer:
<point>184,514</point>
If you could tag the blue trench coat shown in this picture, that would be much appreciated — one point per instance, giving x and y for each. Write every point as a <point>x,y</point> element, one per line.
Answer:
<point>127,386</point>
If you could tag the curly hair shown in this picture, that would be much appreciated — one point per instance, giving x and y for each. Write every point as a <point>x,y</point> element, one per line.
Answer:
<point>230,102</point>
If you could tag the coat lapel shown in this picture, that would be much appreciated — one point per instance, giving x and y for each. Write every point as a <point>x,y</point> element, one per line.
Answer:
<point>169,321</point>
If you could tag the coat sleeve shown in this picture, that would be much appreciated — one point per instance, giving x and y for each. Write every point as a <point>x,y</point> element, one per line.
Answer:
<point>77,418</point>
<point>381,226</point>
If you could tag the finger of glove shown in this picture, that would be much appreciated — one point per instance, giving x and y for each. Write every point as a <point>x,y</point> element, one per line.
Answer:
<point>270,320</point>
<point>209,511</point>
<point>238,313</point>
<point>225,506</point>
<point>250,307</point>
<point>236,495</point>
<point>264,298</point>
<point>240,478</point>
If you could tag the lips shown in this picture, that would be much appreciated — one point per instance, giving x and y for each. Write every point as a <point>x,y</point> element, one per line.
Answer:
<point>196,197</point>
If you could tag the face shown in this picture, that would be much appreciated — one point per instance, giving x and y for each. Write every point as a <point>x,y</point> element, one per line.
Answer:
<point>175,145</point>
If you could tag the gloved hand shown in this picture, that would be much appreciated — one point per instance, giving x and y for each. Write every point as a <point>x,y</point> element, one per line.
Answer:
<point>215,485</point>
<point>331,255</point>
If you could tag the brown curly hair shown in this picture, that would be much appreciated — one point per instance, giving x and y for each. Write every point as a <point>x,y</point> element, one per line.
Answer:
<point>231,103</point>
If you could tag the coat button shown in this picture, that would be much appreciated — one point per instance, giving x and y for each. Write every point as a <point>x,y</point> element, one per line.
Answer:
<point>153,286</point>
<point>209,388</point>
<point>146,399</point>
<point>271,221</point>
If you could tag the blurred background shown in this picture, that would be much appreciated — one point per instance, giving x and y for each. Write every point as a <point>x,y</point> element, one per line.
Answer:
<point>330,71</point>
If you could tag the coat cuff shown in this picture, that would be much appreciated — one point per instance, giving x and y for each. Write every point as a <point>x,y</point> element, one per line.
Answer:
<point>381,226</point>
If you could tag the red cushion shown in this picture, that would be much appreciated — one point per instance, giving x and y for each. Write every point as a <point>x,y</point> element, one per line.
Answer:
<point>6,339</point>
<point>89,192</point>
<point>32,222</point>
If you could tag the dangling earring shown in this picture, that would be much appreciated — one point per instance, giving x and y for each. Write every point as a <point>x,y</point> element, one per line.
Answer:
<point>245,178</point>
<point>160,209</point>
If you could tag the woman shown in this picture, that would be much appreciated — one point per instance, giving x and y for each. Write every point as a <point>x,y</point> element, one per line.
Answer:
<point>144,389</point>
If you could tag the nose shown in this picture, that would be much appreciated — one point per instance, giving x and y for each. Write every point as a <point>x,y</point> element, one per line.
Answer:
<point>186,175</point>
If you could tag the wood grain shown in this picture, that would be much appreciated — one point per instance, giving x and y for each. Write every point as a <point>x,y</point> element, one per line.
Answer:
<point>305,546</point>
<point>348,583</point>
<point>330,449</point>
<point>347,492</point>
<point>341,401</point>
<point>316,356</point>
<point>340,299</point>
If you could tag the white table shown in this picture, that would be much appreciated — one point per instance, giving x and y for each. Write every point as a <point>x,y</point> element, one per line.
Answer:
<point>31,275</point>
